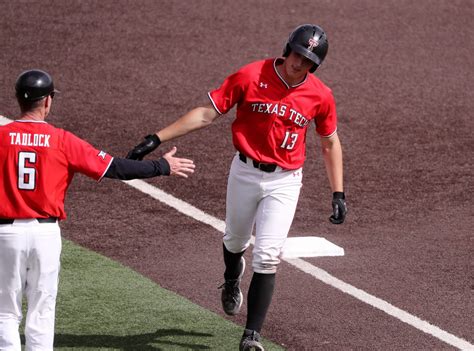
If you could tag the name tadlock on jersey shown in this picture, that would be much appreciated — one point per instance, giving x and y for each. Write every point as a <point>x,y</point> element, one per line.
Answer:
<point>27,139</point>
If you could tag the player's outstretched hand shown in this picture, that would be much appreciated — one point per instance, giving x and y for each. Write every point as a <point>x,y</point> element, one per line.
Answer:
<point>179,166</point>
<point>339,208</point>
<point>150,143</point>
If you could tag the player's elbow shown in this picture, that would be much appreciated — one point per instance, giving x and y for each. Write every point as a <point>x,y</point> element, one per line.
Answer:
<point>330,145</point>
<point>208,114</point>
<point>325,150</point>
<point>327,146</point>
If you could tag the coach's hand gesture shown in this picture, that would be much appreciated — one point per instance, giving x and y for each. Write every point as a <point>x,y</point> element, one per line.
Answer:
<point>179,166</point>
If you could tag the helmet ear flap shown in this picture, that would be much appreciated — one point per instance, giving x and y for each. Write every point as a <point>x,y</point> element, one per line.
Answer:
<point>287,50</point>
<point>312,69</point>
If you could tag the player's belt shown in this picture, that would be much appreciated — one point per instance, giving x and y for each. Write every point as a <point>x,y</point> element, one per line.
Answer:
<point>40,220</point>
<point>266,167</point>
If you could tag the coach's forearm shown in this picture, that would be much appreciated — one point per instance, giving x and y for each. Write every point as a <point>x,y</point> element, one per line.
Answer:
<point>125,169</point>
<point>195,119</point>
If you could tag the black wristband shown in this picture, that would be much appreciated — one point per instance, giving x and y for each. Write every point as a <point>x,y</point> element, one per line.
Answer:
<point>154,138</point>
<point>338,195</point>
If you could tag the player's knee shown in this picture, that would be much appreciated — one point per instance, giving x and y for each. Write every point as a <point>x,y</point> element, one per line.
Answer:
<point>235,244</point>
<point>265,266</point>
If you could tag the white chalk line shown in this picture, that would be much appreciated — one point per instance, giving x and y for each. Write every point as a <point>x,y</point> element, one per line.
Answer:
<point>304,266</point>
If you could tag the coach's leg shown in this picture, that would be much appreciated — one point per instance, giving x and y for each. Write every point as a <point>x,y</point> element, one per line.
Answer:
<point>42,287</point>
<point>12,273</point>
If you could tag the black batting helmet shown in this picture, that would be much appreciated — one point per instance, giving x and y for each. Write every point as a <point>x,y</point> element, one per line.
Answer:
<point>33,85</point>
<point>310,41</point>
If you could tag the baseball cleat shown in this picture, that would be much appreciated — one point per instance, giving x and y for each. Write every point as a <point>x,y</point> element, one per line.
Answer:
<point>250,341</point>
<point>231,296</point>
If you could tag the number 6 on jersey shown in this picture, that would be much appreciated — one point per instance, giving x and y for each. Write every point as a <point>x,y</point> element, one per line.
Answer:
<point>26,175</point>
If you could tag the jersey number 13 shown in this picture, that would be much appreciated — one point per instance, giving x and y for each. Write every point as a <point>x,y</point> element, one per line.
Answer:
<point>289,141</point>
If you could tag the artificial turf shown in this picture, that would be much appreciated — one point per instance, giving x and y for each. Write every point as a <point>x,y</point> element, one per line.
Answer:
<point>103,305</point>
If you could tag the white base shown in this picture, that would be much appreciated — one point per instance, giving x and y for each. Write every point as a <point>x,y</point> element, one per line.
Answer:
<point>310,246</point>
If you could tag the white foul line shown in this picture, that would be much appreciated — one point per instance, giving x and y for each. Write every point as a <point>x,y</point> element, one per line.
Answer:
<point>304,266</point>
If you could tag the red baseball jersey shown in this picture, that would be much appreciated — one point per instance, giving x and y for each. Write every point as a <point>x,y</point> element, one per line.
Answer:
<point>38,162</point>
<point>272,117</point>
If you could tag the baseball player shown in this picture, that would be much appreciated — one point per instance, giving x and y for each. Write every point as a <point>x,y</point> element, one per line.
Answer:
<point>38,162</point>
<point>276,99</point>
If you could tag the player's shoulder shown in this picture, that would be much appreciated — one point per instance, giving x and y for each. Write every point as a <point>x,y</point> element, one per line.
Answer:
<point>317,82</point>
<point>58,132</point>
<point>256,66</point>
<point>52,129</point>
<point>31,126</point>
<point>247,73</point>
<point>318,85</point>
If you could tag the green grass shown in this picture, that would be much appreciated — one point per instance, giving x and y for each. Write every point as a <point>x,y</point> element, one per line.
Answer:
<point>103,305</point>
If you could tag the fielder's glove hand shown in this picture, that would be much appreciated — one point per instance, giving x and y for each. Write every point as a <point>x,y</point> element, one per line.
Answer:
<point>150,143</point>
<point>339,208</point>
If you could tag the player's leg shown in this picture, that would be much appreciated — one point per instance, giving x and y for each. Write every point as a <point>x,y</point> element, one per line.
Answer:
<point>243,194</point>
<point>274,217</point>
<point>12,273</point>
<point>42,286</point>
<point>241,205</point>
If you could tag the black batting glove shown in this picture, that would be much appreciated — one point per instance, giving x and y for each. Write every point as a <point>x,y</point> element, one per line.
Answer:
<point>150,143</point>
<point>339,208</point>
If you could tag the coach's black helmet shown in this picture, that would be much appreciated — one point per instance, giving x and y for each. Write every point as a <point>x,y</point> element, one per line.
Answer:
<point>310,41</point>
<point>34,85</point>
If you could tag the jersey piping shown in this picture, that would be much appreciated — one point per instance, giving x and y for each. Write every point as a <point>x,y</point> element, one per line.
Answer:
<point>29,121</point>
<point>108,166</point>
<point>283,80</point>
<point>213,103</point>
<point>330,135</point>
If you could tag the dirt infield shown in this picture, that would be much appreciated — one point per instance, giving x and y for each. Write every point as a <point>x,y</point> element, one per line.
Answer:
<point>401,73</point>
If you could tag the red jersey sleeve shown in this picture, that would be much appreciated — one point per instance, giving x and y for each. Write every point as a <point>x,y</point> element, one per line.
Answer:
<point>84,158</point>
<point>326,119</point>
<point>229,93</point>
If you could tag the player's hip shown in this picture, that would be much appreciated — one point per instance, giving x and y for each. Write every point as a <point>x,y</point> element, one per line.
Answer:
<point>243,166</point>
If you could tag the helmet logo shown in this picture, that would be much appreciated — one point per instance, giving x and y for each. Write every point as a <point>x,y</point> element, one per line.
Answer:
<point>312,43</point>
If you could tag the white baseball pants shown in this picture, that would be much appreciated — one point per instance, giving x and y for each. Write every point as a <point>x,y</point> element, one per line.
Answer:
<point>264,200</point>
<point>29,265</point>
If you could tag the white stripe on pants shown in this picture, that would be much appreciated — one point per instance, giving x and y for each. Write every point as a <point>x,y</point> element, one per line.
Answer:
<point>29,265</point>
<point>266,200</point>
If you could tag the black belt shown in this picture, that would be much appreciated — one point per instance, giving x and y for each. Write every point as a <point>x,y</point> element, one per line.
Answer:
<point>266,167</point>
<point>40,220</point>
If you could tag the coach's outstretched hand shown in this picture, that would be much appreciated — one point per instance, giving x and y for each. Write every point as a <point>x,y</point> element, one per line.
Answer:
<point>339,208</point>
<point>150,143</point>
<point>179,166</point>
